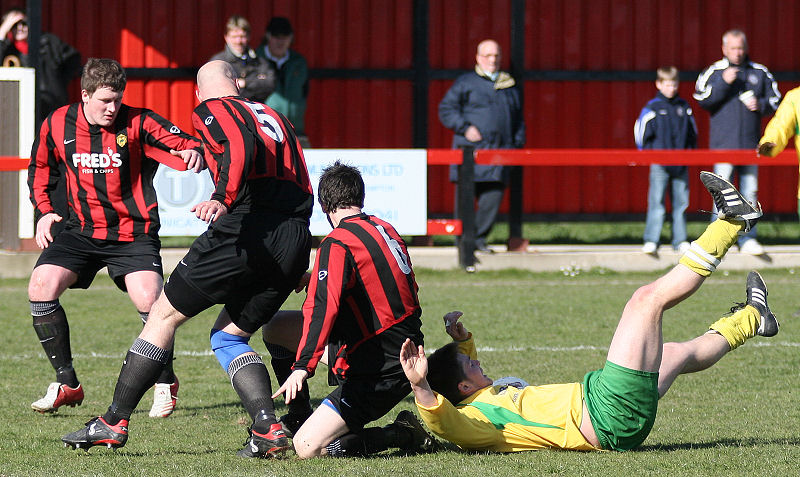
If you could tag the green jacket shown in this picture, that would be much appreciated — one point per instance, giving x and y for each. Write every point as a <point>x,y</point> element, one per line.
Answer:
<point>291,90</point>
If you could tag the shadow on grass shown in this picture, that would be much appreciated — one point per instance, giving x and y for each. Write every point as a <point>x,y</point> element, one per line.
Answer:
<point>151,454</point>
<point>225,405</point>
<point>750,442</point>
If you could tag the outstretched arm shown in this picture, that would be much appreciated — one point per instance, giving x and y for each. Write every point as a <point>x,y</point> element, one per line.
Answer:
<point>781,127</point>
<point>415,366</point>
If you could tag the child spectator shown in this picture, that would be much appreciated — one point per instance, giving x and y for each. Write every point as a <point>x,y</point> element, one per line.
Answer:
<point>666,122</point>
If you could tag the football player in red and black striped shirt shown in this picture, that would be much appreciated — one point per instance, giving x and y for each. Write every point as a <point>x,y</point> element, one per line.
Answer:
<point>251,258</point>
<point>108,153</point>
<point>362,304</point>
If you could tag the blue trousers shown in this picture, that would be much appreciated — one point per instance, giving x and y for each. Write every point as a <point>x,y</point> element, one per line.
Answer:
<point>660,177</point>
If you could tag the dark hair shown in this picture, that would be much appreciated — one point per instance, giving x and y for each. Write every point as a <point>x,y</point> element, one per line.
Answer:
<point>445,372</point>
<point>340,186</point>
<point>103,73</point>
<point>279,26</point>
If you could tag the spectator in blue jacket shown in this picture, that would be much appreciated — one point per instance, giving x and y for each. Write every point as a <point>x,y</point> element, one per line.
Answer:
<point>484,110</point>
<point>737,93</point>
<point>666,122</point>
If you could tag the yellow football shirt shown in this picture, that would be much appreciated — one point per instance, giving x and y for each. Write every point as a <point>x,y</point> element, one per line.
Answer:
<point>510,419</point>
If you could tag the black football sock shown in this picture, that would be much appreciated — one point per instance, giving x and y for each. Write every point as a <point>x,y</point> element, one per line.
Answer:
<point>168,374</point>
<point>250,379</point>
<point>282,361</point>
<point>52,328</point>
<point>141,368</point>
<point>360,443</point>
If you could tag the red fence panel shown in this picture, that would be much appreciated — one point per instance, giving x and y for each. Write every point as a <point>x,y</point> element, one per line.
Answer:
<point>582,36</point>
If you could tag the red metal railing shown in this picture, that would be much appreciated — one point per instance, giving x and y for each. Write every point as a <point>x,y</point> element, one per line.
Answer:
<point>11,163</point>
<point>558,157</point>
<point>570,157</point>
<point>609,157</point>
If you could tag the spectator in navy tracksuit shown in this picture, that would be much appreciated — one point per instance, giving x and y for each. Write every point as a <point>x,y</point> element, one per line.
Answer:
<point>737,93</point>
<point>484,110</point>
<point>666,122</point>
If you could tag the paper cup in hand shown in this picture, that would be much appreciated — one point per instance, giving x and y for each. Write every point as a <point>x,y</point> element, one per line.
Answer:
<point>745,96</point>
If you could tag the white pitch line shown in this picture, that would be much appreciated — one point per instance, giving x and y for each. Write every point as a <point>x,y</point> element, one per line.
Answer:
<point>482,349</point>
<point>490,349</point>
<point>511,349</point>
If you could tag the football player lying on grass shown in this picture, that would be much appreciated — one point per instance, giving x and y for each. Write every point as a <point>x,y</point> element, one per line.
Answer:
<point>613,408</point>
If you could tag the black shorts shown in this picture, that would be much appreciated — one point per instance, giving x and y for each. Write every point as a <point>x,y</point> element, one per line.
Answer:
<point>249,263</point>
<point>86,256</point>
<point>375,381</point>
<point>362,400</point>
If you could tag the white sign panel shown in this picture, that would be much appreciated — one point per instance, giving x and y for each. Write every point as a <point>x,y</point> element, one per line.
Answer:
<point>395,181</point>
<point>177,193</point>
<point>27,79</point>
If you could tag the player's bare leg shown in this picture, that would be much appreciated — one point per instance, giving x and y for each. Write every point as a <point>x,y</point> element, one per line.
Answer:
<point>637,342</point>
<point>748,319</point>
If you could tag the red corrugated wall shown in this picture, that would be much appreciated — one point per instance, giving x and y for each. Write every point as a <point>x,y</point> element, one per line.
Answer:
<point>608,35</point>
<point>568,35</point>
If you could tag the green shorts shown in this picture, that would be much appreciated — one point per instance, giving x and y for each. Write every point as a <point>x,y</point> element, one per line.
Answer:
<point>622,404</point>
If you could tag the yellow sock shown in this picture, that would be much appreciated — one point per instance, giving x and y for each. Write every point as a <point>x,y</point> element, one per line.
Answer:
<point>738,327</point>
<point>707,251</point>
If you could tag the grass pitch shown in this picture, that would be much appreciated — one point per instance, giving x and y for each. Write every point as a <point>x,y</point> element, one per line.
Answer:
<point>739,418</point>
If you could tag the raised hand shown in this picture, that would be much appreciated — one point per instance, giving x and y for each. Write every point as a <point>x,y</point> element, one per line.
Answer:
<point>455,328</point>
<point>415,364</point>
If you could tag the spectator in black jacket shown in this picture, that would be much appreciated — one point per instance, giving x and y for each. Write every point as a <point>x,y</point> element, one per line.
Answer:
<point>484,110</point>
<point>291,89</point>
<point>59,62</point>
<point>737,93</point>
<point>255,76</point>
<point>666,122</point>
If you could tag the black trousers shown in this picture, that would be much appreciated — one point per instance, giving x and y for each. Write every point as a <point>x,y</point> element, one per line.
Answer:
<point>489,196</point>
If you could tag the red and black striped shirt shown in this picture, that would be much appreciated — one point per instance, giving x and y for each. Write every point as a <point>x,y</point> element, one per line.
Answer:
<point>109,171</point>
<point>362,285</point>
<point>253,156</point>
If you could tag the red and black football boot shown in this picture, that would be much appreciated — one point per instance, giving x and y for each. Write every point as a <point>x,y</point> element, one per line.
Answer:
<point>97,433</point>
<point>272,444</point>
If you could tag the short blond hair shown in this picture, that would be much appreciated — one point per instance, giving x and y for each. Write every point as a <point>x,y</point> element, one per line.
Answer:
<point>667,73</point>
<point>237,22</point>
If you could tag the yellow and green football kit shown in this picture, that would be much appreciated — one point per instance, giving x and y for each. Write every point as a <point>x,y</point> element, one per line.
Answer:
<point>622,402</point>
<point>509,419</point>
<point>784,125</point>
